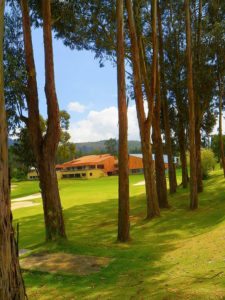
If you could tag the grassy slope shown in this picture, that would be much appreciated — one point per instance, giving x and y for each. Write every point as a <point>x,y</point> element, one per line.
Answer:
<point>177,256</point>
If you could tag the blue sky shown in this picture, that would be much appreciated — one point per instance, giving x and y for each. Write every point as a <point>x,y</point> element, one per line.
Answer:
<point>86,91</point>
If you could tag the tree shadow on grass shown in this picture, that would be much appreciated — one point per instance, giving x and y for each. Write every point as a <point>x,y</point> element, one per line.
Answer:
<point>135,268</point>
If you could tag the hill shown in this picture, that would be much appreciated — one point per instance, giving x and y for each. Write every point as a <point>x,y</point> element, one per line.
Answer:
<point>99,147</point>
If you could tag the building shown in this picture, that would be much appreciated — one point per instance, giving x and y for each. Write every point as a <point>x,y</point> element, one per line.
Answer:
<point>96,166</point>
<point>86,167</point>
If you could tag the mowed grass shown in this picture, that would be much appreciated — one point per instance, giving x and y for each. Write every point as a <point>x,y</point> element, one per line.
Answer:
<point>177,256</point>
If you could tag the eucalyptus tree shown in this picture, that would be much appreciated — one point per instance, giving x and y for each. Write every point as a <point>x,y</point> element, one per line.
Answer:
<point>165,108</point>
<point>123,211</point>
<point>145,121</point>
<point>11,281</point>
<point>44,146</point>
<point>191,101</point>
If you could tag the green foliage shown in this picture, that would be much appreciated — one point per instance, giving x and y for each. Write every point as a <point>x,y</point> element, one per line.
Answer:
<point>208,161</point>
<point>215,145</point>
<point>111,146</point>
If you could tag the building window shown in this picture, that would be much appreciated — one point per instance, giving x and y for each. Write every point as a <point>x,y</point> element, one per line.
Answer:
<point>100,166</point>
<point>83,174</point>
<point>90,174</point>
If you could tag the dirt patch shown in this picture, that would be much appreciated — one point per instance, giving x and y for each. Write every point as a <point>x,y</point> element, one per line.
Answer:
<point>65,263</point>
<point>22,204</point>
<point>27,198</point>
<point>140,183</point>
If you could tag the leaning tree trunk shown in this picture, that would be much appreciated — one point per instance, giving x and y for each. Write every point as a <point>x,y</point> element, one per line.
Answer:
<point>123,212</point>
<point>144,123</point>
<point>193,164</point>
<point>44,147</point>
<point>165,109</point>
<point>11,282</point>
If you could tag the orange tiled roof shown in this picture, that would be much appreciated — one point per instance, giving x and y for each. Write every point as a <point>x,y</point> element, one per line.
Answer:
<point>87,160</point>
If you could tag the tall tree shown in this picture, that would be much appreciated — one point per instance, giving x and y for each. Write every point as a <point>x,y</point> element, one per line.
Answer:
<point>11,282</point>
<point>123,215</point>
<point>159,160</point>
<point>145,122</point>
<point>165,109</point>
<point>44,146</point>
<point>193,164</point>
<point>222,154</point>
<point>153,100</point>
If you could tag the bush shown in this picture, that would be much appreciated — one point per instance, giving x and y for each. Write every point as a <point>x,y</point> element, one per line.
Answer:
<point>208,161</point>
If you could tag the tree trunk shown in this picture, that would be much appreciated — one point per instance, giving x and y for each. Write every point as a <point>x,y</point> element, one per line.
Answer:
<point>44,147</point>
<point>11,281</point>
<point>182,147</point>
<point>144,123</point>
<point>193,164</point>
<point>54,224</point>
<point>165,109</point>
<point>221,127</point>
<point>123,211</point>
<point>149,174</point>
<point>198,158</point>
<point>159,161</point>
<point>198,112</point>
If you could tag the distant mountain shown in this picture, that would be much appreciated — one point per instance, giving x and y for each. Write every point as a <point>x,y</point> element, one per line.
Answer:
<point>99,147</point>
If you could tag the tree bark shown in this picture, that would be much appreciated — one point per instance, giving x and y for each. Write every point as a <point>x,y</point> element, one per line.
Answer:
<point>193,164</point>
<point>182,147</point>
<point>144,123</point>
<point>159,161</point>
<point>221,125</point>
<point>165,109</point>
<point>198,112</point>
<point>156,133</point>
<point>44,147</point>
<point>123,211</point>
<point>11,281</point>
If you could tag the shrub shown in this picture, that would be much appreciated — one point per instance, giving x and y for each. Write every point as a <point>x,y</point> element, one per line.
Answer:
<point>208,161</point>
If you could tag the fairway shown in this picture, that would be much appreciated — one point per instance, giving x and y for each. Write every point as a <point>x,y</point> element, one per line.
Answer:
<point>177,256</point>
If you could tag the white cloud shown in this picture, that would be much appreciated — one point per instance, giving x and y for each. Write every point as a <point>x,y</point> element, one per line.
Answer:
<point>76,107</point>
<point>103,124</point>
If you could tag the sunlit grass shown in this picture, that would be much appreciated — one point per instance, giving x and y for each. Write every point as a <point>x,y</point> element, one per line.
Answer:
<point>177,256</point>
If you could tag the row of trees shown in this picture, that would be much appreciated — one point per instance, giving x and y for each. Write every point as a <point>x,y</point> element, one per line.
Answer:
<point>178,47</point>
<point>177,67</point>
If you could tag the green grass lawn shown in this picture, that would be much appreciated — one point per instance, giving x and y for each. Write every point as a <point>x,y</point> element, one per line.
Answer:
<point>180,255</point>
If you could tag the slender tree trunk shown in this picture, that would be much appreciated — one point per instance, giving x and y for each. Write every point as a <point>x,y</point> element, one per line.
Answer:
<point>165,109</point>
<point>11,282</point>
<point>123,212</point>
<point>198,157</point>
<point>221,127</point>
<point>144,123</point>
<point>54,224</point>
<point>182,147</point>
<point>156,136</point>
<point>159,161</point>
<point>198,112</point>
<point>193,164</point>
<point>44,147</point>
